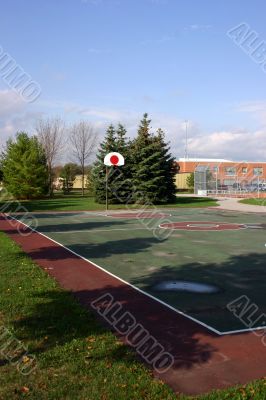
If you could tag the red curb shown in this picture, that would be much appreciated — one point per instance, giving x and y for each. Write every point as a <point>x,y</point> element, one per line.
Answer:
<point>203,360</point>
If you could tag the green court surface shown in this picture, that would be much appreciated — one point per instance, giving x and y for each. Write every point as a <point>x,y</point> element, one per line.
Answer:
<point>154,259</point>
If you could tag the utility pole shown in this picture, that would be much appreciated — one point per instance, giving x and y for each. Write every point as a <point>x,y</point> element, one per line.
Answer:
<point>186,141</point>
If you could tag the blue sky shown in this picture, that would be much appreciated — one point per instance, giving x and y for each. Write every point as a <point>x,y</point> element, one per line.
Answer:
<point>112,60</point>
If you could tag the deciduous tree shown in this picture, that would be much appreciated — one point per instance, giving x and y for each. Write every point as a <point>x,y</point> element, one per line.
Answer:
<point>51,137</point>
<point>84,140</point>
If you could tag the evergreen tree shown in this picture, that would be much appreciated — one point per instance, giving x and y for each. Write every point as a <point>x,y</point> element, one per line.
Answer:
<point>123,182</point>
<point>154,168</point>
<point>99,170</point>
<point>165,170</point>
<point>148,175</point>
<point>143,152</point>
<point>24,167</point>
<point>119,178</point>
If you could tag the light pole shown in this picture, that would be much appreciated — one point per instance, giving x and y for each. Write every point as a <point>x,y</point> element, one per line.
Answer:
<point>186,141</point>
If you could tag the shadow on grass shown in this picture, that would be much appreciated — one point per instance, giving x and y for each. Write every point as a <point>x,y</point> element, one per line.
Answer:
<point>58,320</point>
<point>195,200</point>
<point>61,203</point>
<point>53,204</point>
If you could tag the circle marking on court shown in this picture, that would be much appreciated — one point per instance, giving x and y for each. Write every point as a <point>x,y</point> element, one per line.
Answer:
<point>203,226</point>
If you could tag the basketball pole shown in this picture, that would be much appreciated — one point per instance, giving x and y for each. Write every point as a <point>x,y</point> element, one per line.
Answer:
<point>111,159</point>
<point>106,188</point>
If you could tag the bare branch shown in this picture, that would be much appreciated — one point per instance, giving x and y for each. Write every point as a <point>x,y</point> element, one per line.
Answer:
<point>83,138</point>
<point>50,134</point>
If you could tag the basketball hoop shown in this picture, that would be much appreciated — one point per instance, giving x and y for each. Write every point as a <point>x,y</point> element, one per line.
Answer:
<point>113,159</point>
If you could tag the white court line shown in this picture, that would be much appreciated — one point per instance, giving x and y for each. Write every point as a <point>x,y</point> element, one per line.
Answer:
<point>243,227</point>
<point>136,214</point>
<point>140,290</point>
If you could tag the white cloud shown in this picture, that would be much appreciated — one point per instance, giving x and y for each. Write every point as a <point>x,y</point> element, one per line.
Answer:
<point>99,51</point>
<point>10,102</point>
<point>257,109</point>
<point>237,144</point>
<point>198,27</point>
<point>15,115</point>
<point>233,145</point>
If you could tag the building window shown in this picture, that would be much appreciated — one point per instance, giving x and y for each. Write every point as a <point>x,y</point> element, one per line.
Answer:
<point>215,168</point>
<point>258,171</point>
<point>230,171</point>
<point>244,170</point>
<point>229,182</point>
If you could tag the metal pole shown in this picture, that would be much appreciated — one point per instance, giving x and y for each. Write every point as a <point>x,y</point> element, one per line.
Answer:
<point>106,187</point>
<point>186,149</point>
<point>216,182</point>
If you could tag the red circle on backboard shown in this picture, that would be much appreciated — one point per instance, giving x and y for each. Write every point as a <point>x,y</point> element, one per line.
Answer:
<point>114,159</point>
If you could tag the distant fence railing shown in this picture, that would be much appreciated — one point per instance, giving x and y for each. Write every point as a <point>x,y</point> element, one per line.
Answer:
<point>236,193</point>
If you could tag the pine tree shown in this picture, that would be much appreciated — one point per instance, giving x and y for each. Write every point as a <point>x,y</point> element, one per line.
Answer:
<point>144,166</point>
<point>119,178</point>
<point>99,170</point>
<point>24,167</point>
<point>123,182</point>
<point>154,168</point>
<point>165,170</point>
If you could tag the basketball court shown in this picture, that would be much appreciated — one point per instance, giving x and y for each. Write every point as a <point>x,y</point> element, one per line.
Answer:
<point>193,261</point>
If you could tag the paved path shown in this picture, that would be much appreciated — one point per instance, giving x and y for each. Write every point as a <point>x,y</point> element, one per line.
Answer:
<point>233,204</point>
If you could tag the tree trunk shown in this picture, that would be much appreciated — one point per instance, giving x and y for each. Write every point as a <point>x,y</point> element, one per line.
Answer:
<point>83,173</point>
<point>50,183</point>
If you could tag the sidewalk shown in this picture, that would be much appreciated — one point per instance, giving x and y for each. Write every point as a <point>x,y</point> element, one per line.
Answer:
<point>233,204</point>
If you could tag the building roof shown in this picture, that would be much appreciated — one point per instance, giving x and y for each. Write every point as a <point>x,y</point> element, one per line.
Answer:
<point>204,159</point>
<point>218,160</point>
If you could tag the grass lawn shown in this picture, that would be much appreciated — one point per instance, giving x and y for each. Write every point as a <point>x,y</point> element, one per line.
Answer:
<point>78,203</point>
<point>254,202</point>
<point>76,357</point>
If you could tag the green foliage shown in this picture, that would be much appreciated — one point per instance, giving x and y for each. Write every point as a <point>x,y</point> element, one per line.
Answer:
<point>68,173</point>
<point>190,181</point>
<point>148,175</point>
<point>24,167</point>
<point>119,182</point>
<point>154,168</point>
<point>123,181</point>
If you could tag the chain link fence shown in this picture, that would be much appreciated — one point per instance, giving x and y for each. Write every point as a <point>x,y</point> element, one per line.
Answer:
<point>229,181</point>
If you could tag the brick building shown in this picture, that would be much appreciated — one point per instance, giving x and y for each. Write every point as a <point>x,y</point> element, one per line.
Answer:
<point>229,173</point>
